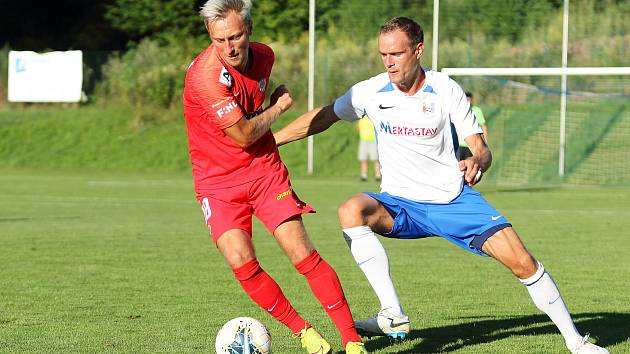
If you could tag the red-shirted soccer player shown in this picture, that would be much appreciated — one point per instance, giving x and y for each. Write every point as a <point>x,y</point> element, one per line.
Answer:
<point>237,171</point>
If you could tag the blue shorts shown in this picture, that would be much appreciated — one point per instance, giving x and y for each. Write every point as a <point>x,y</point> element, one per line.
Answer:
<point>467,221</point>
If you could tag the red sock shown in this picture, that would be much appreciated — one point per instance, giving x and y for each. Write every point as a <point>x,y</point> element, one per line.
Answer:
<point>267,294</point>
<point>327,288</point>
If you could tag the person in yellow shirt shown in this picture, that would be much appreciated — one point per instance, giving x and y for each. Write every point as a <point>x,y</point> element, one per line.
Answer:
<point>367,149</point>
<point>463,152</point>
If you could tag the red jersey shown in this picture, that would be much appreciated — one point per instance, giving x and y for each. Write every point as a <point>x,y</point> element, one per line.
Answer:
<point>216,96</point>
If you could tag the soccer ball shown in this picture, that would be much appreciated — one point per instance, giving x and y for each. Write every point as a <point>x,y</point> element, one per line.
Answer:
<point>243,335</point>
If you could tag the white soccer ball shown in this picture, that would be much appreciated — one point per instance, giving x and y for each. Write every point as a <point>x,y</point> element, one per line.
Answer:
<point>243,335</point>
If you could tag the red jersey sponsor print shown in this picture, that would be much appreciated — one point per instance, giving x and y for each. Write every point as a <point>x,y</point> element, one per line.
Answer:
<point>217,96</point>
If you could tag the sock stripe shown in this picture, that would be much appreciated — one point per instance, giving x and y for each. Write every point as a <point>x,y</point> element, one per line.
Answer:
<point>536,277</point>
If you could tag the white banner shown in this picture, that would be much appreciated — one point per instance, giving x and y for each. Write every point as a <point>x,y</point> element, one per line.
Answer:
<point>49,77</point>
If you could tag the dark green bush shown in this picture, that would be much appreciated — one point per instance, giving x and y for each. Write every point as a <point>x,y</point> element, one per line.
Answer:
<point>149,75</point>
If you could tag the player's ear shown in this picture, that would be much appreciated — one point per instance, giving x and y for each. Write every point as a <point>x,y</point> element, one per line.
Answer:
<point>419,50</point>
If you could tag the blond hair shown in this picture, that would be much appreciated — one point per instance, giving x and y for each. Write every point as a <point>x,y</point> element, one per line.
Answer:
<point>214,10</point>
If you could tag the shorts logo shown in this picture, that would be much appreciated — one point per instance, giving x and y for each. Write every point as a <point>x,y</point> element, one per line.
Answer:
<point>283,194</point>
<point>205,207</point>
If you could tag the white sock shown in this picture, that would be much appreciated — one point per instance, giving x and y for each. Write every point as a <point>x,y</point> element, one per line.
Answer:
<point>544,292</point>
<point>371,257</point>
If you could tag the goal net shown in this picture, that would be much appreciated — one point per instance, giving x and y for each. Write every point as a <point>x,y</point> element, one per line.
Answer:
<point>537,139</point>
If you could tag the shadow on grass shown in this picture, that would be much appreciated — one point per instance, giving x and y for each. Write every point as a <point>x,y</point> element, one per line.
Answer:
<point>607,329</point>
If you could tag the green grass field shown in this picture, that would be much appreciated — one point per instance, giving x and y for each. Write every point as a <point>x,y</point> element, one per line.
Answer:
<point>117,262</point>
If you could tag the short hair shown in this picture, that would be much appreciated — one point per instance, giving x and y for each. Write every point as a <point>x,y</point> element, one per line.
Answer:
<point>410,27</point>
<point>469,94</point>
<point>214,10</point>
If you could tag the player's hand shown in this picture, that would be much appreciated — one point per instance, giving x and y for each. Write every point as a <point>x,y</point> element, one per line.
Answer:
<point>472,170</point>
<point>281,98</point>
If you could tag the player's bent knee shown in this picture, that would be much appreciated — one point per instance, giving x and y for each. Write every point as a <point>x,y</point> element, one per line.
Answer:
<point>350,213</point>
<point>524,266</point>
<point>236,258</point>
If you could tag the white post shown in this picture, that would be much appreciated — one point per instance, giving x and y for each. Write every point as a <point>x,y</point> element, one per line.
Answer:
<point>563,87</point>
<point>311,77</point>
<point>434,49</point>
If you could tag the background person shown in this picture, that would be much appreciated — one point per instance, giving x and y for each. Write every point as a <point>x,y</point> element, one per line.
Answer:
<point>425,191</point>
<point>238,173</point>
<point>367,149</point>
<point>463,152</point>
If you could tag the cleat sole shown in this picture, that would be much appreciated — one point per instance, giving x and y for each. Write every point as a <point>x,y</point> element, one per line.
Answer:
<point>397,337</point>
<point>394,337</point>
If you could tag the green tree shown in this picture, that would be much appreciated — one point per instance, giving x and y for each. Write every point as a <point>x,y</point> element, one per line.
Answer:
<point>155,18</point>
<point>286,20</point>
<point>508,21</point>
<point>361,20</point>
<point>279,19</point>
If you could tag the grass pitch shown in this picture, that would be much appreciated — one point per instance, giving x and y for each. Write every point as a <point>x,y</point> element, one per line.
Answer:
<point>123,263</point>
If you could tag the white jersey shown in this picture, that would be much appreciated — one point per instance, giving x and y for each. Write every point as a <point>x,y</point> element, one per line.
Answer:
<point>414,134</point>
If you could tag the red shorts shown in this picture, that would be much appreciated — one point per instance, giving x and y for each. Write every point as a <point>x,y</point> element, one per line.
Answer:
<point>271,198</point>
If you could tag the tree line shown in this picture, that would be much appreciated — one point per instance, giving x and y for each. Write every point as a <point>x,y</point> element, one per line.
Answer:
<point>286,20</point>
<point>118,24</point>
<point>147,44</point>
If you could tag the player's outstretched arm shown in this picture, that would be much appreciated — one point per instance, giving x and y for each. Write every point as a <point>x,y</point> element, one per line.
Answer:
<point>310,123</point>
<point>246,131</point>
<point>473,167</point>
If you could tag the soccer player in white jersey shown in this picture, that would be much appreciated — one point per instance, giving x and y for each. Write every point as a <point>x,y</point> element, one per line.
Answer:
<point>425,191</point>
